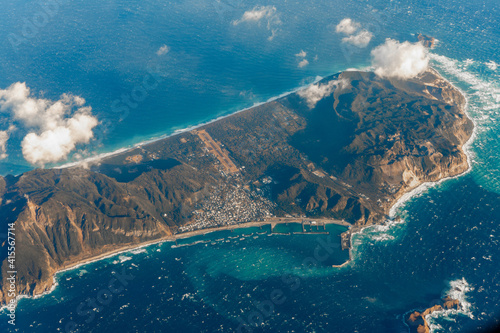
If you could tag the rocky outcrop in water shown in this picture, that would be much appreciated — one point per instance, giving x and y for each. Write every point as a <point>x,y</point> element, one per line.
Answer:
<point>427,41</point>
<point>416,320</point>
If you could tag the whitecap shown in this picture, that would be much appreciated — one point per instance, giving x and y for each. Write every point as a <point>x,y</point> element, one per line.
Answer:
<point>492,65</point>
<point>124,258</point>
<point>483,96</point>
<point>458,290</point>
<point>139,250</point>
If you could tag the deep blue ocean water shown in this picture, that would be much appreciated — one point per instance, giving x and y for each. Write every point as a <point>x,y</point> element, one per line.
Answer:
<point>446,239</point>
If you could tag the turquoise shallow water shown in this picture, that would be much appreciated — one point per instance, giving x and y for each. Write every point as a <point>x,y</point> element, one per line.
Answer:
<point>446,240</point>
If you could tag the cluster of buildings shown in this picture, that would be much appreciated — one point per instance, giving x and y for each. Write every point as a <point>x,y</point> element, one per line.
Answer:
<point>230,204</point>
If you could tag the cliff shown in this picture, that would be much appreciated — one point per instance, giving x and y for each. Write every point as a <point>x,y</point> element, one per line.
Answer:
<point>350,155</point>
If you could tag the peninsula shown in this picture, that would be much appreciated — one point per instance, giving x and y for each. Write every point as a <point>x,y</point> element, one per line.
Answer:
<point>346,149</point>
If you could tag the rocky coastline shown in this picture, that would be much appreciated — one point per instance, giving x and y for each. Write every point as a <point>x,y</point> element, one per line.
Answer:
<point>349,155</point>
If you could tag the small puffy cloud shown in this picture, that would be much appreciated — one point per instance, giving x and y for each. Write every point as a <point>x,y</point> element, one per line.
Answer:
<point>55,128</point>
<point>258,14</point>
<point>4,137</point>
<point>402,60</point>
<point>316,92</point>
<point>164,49</point>
<point>301,54</point>
<point>347,26</point>
<point>350,27</point>
<point>303,63</point>
<point>362,39</point>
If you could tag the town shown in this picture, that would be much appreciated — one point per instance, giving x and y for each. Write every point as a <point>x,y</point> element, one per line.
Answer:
<point>231,203</point>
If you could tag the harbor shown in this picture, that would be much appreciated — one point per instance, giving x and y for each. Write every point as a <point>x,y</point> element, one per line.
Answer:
<point>279,226</point>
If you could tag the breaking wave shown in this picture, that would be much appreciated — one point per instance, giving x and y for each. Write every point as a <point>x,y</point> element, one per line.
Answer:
<point>458,290</point>
<point>480,82</point>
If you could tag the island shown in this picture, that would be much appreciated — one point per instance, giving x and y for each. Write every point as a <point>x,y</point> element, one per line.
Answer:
<point>344,150</point>
<point>427,41</point>
<point>416,320</point>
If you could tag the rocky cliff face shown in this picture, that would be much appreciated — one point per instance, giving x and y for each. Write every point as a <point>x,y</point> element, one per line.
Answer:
<point>413,132</point>
<point>350,156</point>
<point>64,216</point>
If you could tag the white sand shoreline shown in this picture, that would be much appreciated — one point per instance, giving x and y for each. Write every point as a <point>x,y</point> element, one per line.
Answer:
<point>101,156</point>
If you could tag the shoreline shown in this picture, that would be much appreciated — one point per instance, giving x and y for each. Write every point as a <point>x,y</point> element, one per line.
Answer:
<point>164,239</point>
<point>101,156</point>
<point>465,149</point>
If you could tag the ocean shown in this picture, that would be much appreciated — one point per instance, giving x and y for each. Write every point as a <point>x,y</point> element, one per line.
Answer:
<point>444,240</point>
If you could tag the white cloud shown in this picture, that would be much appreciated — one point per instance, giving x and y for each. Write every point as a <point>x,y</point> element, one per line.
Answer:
<point>362,39</point>
<point>55,127</point>
<point>257,14</point>
<point>350,27</point>
<point>164,49</point>
<point>401,60</point>
<point>4,137</point>
<point>347,26</point>
<point>303,63</point>
<point>55,144</point>
<point>316,92</point>
<point>262,13</point>
<point>301,54</point>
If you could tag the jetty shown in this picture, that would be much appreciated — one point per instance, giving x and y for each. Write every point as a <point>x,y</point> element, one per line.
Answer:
<point>319,223</point>
<point>345,240</point>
